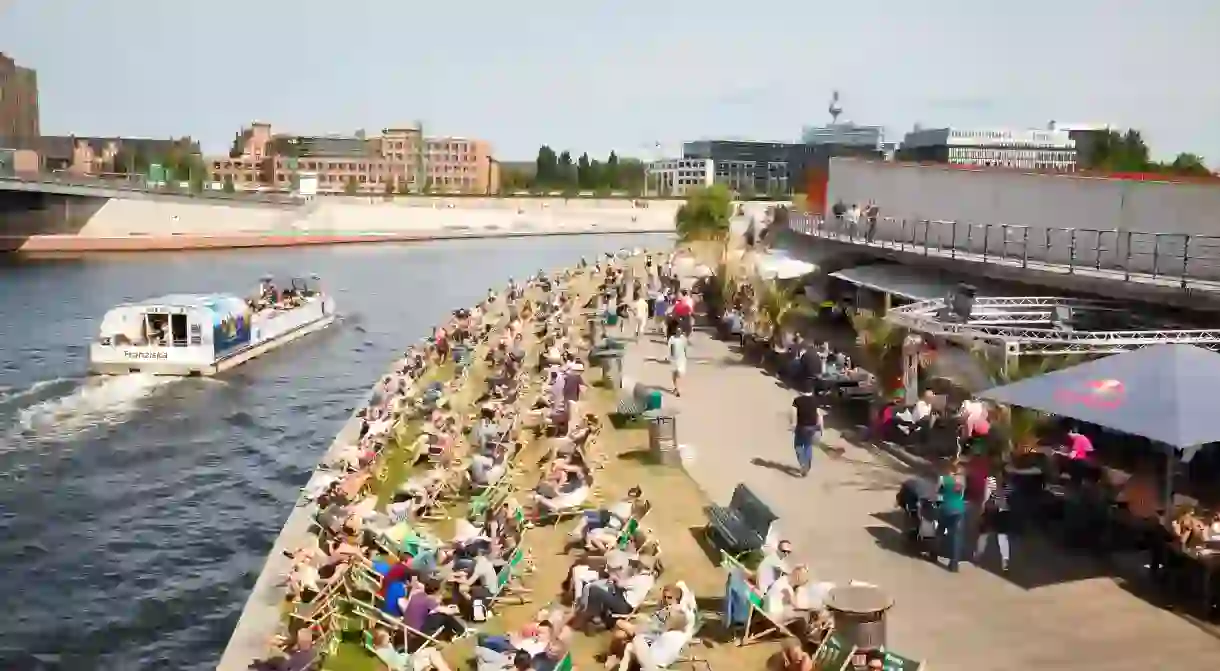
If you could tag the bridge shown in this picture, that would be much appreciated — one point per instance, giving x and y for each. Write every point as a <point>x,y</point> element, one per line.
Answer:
<point>1170,268</point>
<point>93,187</point>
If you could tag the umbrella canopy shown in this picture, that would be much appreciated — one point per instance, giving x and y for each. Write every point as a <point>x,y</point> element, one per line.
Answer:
<point>1162,392</point>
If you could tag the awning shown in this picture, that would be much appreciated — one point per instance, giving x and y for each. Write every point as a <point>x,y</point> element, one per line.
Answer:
<point>785,264</point>
<point>1165,393</point>
<point>909,282</point>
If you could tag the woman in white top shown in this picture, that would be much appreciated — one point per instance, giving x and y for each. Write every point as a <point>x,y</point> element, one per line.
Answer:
<point>784,602</point>
<point>677,357</point>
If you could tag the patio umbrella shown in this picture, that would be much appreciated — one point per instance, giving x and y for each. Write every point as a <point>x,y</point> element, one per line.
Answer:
<point>1163,392</point>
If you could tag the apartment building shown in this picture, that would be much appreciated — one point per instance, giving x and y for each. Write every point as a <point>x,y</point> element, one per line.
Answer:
<point>399,159</point>
<point>19,127</point>
<point>677,176</point>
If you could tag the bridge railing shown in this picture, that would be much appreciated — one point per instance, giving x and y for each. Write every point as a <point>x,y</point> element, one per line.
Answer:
<point>1177,257</point>
<point>135,186</point>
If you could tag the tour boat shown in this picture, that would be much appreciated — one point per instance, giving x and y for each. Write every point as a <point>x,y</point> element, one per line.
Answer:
<point>204,334</point>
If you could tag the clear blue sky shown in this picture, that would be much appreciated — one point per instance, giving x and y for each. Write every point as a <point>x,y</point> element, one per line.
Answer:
<point>618,74</point>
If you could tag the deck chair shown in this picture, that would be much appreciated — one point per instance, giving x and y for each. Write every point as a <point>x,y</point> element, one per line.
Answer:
<point>376,616</point>
<point>629,529</point>
<point>366,640</point>
<point>756,601</point>
<point>508,581</point>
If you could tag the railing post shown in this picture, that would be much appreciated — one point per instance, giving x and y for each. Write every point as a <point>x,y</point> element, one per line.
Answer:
<point>1046,249</point>
<point>1185,259</point>
<point>986,240</point>
<point>1127,259</point>
<point>927,224</point>
<point>1156,254</point>
<point>1025,248</point>
<point>1097,261</point>
<point>953,241</point>
<point>1072,254</point>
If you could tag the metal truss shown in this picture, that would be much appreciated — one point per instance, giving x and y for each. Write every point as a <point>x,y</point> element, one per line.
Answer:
<point>1022,326</point>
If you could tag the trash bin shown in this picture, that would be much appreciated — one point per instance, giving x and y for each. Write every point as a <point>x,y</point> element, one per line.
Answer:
<point>859,615</point>
<point>612,368</point>
<point>663,437</point>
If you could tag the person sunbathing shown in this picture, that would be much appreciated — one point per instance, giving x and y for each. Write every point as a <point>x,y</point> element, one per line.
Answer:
<point>620,595</point>
<point>393,659</point>
<point>652,626</point>
<point>565,488</point>
<point>614,517</point>
<point>423,611</point>
<point>487,469</point>
<point>657,649</point>
<point>791,657</point>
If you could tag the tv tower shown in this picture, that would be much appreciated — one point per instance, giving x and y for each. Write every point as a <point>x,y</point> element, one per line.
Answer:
<point>835,108</point>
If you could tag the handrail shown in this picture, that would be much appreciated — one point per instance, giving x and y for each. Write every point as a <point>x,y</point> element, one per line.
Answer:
<point>134,186</point>
<point>1164,257</point>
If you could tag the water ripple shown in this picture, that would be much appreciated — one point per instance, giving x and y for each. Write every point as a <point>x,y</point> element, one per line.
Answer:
<point>136,513</point>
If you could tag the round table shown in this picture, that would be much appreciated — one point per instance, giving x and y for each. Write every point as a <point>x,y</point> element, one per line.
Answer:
<point>859,614</point>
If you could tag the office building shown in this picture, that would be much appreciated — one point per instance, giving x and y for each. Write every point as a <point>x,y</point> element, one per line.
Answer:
<point>19,127</point>
<point>845,135</point>
<point>745,166</point>
<point>1021,149</point>
<point>399,159</point>
<point>677,176</point>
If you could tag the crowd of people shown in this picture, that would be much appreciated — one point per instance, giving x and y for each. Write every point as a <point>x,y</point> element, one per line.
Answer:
<point>372,558</point>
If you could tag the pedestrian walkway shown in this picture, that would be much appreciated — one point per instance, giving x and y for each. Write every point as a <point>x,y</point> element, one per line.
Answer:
<point>1049,613</point>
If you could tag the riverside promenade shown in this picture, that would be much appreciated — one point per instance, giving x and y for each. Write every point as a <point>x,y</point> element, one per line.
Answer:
<point>1052,611</point>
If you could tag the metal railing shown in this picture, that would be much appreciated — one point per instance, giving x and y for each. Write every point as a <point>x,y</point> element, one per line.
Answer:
<point>1179,258</point>
<point>134,185</point>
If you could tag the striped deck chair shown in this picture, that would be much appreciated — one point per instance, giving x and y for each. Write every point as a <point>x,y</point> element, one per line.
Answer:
<point>756,602</point>
<point>375,617</point>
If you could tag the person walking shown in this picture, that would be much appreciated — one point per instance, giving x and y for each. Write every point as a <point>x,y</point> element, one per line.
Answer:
<point>807,423</point>
<point>949,530</point>
<point>995,521</point>
<point>677,357</point>
<point>642,313</point>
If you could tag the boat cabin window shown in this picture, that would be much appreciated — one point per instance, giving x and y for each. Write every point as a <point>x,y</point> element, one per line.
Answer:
<point>162,330</point>
<point>156,329</point>
<point>177,329</point>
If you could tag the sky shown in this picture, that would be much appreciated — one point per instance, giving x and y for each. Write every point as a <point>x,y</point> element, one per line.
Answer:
<point>618,74</point>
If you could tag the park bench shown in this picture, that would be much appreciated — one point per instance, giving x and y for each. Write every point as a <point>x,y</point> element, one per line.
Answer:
<point>744,525</point>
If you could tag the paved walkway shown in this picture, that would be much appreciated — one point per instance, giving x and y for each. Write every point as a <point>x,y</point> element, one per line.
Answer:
<point>1049,613</point>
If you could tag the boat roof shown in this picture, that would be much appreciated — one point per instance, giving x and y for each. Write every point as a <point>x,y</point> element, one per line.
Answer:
<point>209,301</point>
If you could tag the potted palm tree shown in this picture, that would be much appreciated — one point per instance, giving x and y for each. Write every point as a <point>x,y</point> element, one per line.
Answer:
<point>1017,428</point>
<point>775,303</point>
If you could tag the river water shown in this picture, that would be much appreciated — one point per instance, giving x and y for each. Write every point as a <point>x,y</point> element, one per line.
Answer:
<point>135,513</point>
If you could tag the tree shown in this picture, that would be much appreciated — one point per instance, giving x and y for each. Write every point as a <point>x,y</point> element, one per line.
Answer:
<point>1189,165</point>
<point>1017,427</point>
<point>228,184</point>
<point>705,214</point>
<point>879,345</point>
<point>352,186</point>
<point>403,187</point>
<point>584,173</point>
<point>391,184</point>
<point>610,173</point>
<point>546,171</point>
<point>775,304</point>
<point>565,175</point>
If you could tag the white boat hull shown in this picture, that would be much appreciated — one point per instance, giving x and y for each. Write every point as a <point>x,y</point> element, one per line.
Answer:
<point>279,330</point>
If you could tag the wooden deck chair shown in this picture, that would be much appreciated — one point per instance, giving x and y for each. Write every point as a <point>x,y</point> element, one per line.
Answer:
<point>565,664</point>
<point>756,601</point>
<point>376,616</point>
<point>834,654</point>
<point>508,581</point>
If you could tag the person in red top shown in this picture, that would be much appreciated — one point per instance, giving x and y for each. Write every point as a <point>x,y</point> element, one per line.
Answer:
<point>684,311</point>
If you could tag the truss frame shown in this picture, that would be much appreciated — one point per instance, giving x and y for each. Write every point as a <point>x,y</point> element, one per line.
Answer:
<point>1007,322</point>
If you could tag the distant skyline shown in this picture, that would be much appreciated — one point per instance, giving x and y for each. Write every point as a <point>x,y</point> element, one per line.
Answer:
<point>620,75</point>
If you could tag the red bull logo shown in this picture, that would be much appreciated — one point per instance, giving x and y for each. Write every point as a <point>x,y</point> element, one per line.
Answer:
<point>1098,394</point>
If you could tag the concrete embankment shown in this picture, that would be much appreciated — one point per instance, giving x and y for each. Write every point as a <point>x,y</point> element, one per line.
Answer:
<point>128,225</point>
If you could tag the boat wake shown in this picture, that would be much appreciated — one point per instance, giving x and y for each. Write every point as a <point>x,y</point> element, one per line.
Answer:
<point>87,404</point>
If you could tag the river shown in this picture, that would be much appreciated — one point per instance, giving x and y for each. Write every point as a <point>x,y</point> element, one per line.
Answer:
<point>135,513</point>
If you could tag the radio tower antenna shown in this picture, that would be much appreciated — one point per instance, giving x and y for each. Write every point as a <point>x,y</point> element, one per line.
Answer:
<point>835,108</point>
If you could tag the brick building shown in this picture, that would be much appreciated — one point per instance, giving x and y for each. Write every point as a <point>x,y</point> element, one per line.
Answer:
<point>19,128</point>
<point>401,159</point>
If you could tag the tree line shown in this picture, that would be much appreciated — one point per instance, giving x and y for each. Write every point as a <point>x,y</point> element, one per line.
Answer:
<point>1126,151</point>
<point>180,161</point>
<point>558,171</point>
